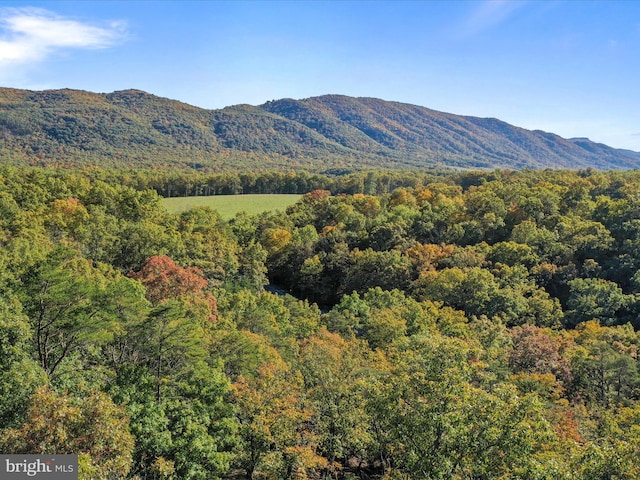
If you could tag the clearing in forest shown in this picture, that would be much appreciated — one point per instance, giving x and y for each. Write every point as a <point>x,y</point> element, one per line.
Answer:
<point>228,205</point>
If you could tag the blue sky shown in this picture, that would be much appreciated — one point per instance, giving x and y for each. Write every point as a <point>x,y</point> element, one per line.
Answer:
<point>569,67</point>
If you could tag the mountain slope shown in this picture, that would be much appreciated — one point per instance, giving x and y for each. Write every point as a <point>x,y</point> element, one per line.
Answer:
<point>134,128</point>
<point>423,133</point>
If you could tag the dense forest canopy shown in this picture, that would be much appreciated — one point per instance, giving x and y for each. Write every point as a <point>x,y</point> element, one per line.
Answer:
<point>469,325</point>
<point>132,128</point>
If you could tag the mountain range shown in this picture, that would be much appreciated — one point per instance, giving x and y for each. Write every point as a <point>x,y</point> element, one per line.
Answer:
<point>132,128</point>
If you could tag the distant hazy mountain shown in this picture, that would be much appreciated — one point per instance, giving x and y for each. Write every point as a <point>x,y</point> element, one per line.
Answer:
<point>137,129</point>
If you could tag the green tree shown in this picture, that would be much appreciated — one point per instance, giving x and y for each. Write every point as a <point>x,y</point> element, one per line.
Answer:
<point>202,423</point>
<point>603,364</point>
<point>135,388</point>
<point>73,304</point>
<point>252,268</point>
<point>512,253</point>
<point>170,341</point>
<point>139,240</point>
<point>336,375</point>
<point>208,244</point>
<point>369,269</point>
<point>19,374</point>
<point>594,299</point>
<point>488,210</point>
<point>435,424</point>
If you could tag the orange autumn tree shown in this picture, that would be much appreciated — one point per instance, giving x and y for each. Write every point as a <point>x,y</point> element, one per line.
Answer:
<point>165,280</point>
<point>425,257</point>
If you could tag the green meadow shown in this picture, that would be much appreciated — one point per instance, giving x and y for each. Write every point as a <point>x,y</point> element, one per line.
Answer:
<point>228,205</point>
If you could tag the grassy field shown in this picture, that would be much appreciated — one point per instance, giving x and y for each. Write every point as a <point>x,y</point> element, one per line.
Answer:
<point>228,205</point>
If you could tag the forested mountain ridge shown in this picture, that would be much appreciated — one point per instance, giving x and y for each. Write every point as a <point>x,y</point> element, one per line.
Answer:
<point>134,128</point>
<point>383,127</point>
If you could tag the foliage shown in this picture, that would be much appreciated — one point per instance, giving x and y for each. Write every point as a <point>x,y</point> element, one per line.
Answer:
<point>94,427</point>
<point>74,128</point>
<point>473,325</point>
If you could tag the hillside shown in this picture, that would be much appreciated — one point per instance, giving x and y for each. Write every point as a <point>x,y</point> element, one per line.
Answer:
<point>134,128</point>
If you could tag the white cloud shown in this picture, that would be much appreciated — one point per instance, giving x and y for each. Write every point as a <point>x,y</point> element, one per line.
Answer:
<point>33,34</point>
<point>488,14</point>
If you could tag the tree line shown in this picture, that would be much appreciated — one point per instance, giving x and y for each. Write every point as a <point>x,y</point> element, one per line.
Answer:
<point>183,183</point>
